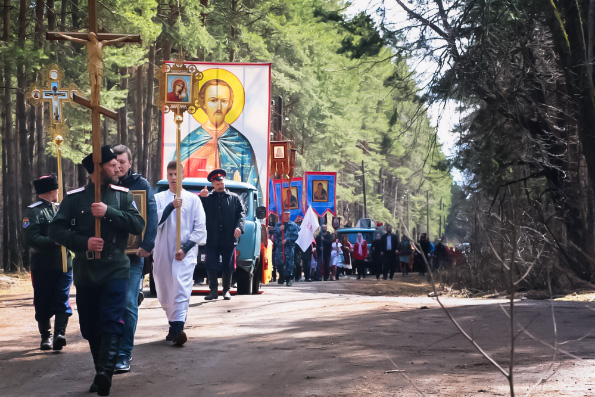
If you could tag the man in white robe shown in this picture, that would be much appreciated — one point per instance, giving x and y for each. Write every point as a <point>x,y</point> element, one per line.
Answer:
<point>173,270</point>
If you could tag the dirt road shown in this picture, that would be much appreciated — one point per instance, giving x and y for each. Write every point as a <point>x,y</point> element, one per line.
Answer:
<point>319,339</point>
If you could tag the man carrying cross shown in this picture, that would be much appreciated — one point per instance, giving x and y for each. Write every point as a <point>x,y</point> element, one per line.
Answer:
<point>101,283</point>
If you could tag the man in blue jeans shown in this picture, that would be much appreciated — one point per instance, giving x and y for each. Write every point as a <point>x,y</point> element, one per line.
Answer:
<point>134,181</point>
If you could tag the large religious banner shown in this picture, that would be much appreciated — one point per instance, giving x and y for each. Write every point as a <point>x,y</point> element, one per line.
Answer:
<point>290,197</point>
<point>230,127</point>
<point>320,191</point>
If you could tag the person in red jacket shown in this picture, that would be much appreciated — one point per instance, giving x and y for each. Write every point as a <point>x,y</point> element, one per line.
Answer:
<point>360,253</point>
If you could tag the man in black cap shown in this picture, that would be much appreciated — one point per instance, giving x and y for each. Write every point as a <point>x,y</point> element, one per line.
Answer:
<point>225,224</point>
<point>51,286</point>
<point>100,282</point>
<point>285,234</point>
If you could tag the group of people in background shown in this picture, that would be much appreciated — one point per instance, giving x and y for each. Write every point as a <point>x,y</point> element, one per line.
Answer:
<point>330,257</point>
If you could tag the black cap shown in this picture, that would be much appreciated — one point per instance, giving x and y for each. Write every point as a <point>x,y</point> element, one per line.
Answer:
<point>107,154</point>
<point>45,184</point>
<point>217,175</point>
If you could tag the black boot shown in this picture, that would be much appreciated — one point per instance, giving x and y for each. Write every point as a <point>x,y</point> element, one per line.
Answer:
<point>106,363</point>
<point>213,286</point>
<point>60,322</point>
<point>94,344</point>
<point>45,330</point>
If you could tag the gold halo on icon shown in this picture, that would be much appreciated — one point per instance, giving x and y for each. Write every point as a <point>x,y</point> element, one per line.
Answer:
<point>239,96</point>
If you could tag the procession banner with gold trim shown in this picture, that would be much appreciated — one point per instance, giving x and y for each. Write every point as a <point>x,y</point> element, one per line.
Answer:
<point>321,191</point>
<point>230,127</point>
<point>291,198</point>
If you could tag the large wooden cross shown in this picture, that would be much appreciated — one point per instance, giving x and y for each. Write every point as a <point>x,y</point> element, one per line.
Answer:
<point>94,42</point>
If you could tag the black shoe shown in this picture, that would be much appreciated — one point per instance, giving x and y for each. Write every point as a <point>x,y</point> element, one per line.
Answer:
<point>46,342</point>
<point>212,295</point>
<point>123,365</point>
<point>226,295</point>
<point>280,281</point>
<point>359,277</point>
<point>180,339</point>
<point>93,388</point>
<point>141,297</point>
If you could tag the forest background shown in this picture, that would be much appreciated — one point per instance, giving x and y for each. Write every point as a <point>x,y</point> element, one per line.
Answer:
<point>346,92</point>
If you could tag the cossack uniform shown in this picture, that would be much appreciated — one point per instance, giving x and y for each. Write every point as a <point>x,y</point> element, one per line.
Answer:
<point>101,282</point>
<point>51,286</point>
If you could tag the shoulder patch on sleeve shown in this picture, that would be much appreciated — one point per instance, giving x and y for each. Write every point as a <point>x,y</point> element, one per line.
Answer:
<point>35,204</point>
<point>26,222</point>
<point>80,189</point>
<point>120,188</point>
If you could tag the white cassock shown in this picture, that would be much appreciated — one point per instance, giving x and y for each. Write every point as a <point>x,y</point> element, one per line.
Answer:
<point>173,278</point>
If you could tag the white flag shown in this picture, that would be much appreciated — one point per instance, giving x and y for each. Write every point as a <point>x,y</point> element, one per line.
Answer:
<point>308,227</point>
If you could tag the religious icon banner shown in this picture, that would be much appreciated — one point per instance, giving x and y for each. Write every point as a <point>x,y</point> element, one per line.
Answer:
<point>320,192</point>
<point>230,127</point>
<point>291,198</point>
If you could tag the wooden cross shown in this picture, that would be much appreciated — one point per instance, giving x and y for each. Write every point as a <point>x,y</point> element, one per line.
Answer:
<point>94,42</point>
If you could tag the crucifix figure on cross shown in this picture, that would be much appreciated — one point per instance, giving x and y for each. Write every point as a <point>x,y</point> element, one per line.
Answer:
<point>95,55</point>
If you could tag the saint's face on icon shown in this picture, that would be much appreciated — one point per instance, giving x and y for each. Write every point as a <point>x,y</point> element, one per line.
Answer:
<point>217,104</point>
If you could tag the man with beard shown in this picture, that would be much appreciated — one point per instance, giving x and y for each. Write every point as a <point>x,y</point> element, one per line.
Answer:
<point>100,282</point>
<point>134,181</point>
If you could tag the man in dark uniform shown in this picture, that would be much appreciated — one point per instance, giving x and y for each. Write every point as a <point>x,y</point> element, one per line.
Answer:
<point>134,181</point>
<point>286,234</point>
<point>225,224</point>
<point>100,282</point>
<point>51,286</point>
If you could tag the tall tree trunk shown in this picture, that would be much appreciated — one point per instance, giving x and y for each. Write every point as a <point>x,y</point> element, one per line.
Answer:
<point>62,26</point>
<point>139,117</point>
<point>123,111</point>
<point>51,15</point>
<point>75,13</point>
<point>148,122</point>
<point>36,113</point>
<point>11,188</point>
<point>234,31</point>
<point>6,27</point>
<point>5,190</point>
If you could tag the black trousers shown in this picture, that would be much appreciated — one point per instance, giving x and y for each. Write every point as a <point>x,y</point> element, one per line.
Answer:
<point>101,308</point>
<point>51,290</point>
<point>360,265</point>
<point>390,263</point>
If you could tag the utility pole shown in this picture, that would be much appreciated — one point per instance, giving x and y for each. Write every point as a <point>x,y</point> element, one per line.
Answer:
<point>364,189</point>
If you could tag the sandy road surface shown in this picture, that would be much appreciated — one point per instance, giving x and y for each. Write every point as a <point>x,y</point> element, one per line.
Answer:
<point>317,339</point>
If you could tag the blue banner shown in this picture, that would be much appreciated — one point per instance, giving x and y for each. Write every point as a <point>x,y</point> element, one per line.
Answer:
<point>272,201</point>
<point>321,192</point>
<point>291,199</point>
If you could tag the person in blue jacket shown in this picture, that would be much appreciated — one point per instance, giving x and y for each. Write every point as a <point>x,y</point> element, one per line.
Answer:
<point>134,181</point>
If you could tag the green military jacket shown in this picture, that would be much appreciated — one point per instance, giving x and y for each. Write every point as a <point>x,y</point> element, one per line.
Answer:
<point>45,253</point>
<point>74,224</point>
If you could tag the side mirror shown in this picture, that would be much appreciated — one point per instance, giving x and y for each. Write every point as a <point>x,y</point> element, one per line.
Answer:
<point>261,212</point>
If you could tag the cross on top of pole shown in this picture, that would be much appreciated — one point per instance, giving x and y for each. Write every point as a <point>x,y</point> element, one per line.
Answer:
<point>54,94</point>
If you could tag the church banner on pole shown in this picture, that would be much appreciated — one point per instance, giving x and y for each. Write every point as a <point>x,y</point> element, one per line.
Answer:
<point>321,191</point>
<point>272,200</point>
<point>291,198</point>
<point>230,127</point>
